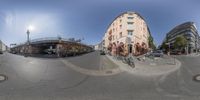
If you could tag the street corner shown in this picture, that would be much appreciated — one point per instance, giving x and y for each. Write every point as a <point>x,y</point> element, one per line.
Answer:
<point>149,67</point>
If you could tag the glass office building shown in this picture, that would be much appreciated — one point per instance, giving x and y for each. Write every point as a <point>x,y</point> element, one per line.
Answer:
<point>189,31</point>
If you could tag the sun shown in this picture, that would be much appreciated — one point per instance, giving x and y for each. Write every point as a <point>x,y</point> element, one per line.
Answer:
<point>31,27</point>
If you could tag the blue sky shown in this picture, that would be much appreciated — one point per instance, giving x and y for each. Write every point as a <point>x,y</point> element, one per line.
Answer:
<point>89,19</point>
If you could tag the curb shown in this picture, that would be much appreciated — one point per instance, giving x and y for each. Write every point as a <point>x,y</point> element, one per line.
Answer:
<point>143,70</point>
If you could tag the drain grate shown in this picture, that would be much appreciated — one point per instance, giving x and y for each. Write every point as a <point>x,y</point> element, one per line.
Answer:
<point>196,78</point>
<point>3,78</point>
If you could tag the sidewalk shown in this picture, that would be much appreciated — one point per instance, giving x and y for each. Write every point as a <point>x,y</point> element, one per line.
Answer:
<point>189,55</point>
<point>193,54</point>
<point>149,67</point>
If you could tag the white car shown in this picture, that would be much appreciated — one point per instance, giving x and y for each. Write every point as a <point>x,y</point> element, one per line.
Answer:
<point>157,53</point>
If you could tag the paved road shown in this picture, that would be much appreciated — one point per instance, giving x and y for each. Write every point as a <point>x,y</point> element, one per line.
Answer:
<point>93,61</point>
<point>51,79</point>
<point>181,83</point>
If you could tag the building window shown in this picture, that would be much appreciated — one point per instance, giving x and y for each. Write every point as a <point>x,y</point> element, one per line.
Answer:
<point>130,32</point>
<point>120,26</point>
<point>120,20</point>
<point>144,29</point>
<point>144,36</point>
<point>129,23</point>
<point>120,34</point>
<point>130,17</point>
<point>110,32</point>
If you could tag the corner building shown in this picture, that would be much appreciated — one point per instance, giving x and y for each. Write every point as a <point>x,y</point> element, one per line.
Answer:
<point>131,29</point>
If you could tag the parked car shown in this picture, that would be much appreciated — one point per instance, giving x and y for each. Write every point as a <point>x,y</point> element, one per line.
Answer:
<point>175,52</point>
<point>1,52</point>
<point>50,51</point>
<point>157,53</point>
<point>102,52</point>
<point>148,54</point>
<point>13,52</point>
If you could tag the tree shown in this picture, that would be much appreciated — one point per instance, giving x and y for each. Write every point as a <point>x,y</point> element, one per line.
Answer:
<point>151,43</point>
<point>180,42</point>
<point>164,45</point>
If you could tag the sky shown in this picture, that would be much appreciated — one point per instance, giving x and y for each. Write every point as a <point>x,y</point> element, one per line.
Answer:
<point>89,19</point>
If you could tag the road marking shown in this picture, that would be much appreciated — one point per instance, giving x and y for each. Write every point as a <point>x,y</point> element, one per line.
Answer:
<point>3,78</point>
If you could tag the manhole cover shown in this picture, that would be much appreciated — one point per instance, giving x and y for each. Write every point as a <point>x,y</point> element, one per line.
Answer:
<point>2,77</point>
<point>197,78</point>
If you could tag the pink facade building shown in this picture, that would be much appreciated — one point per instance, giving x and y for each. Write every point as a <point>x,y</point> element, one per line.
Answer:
<point>129,29</point>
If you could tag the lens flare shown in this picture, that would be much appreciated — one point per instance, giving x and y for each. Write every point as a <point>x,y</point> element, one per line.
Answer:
<point>31,28</point>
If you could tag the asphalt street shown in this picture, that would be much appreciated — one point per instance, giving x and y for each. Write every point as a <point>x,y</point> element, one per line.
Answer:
<point>93,61</point>
<point>32,78</point>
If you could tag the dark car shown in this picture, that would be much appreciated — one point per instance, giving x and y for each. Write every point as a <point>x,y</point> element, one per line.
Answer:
<point>13,52</point>
<point>1,52</point>
<point>175,52</point>
<point>157,53</point>
<point>102,52</point>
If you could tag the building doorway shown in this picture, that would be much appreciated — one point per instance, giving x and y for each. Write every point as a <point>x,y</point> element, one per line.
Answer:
<point>130,48</point>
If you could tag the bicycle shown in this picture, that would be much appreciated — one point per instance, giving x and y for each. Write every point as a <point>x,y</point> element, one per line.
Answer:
<point>129,61</point>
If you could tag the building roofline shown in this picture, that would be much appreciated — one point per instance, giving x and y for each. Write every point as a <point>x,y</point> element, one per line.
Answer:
<point>189,23</point>
<point>123,14</point>
<point>127,13</point>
